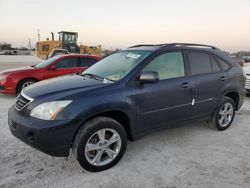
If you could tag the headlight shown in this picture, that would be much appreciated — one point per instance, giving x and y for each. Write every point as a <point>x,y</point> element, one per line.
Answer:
<point>49,110</point>
<point>3,77</point>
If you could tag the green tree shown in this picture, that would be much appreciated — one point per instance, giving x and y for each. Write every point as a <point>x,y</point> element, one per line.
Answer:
<point>5,46</point>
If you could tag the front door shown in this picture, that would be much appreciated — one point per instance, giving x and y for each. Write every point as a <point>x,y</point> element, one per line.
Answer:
<point>67,65</point>
<point>168,100</point>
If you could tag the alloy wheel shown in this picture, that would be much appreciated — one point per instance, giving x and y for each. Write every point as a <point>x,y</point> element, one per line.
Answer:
<point>26,84</point>
<point>103,147</point>
<point>226,114</point>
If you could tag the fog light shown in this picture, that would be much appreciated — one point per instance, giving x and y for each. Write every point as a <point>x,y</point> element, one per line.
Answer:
<point>12,124</point>
<point>31,137</point>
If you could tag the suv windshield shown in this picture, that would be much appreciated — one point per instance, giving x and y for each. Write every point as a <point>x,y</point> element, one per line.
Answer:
<point>116,66</point>
<point>47,62</point>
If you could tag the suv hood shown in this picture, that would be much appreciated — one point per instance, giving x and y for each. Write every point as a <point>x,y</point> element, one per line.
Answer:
<point>64,85</point>
<point>19,69</point>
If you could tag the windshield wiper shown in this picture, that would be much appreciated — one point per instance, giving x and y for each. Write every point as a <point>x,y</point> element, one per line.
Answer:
<point>93,76</point>
<point>97,77</point>
<point>110,79</point>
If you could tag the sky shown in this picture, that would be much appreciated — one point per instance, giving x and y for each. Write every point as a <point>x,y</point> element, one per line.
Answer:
<point>122,23</point>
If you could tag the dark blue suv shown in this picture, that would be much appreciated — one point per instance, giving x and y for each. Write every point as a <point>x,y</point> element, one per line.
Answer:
<point>126,95</point>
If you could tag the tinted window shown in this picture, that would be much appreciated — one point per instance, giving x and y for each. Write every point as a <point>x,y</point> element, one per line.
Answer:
<point>168,65</point>
<point>67,63</point>
<point>215,66</point>
<point>47,62</point>
<point>45,47</point>
<point>87,62</point>
<point>199,63</point>
<point>222,63</point>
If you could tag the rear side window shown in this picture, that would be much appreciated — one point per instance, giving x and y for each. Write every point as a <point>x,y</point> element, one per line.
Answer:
<point>224,65</point>
<point>67,63</point>
<point>87,62</point>
<point>199,63</point>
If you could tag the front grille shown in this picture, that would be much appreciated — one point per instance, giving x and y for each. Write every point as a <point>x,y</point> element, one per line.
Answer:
<point>22,101</point>
<point>247,83</point>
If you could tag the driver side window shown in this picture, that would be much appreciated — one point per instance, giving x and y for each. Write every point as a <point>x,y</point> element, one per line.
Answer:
<point>167,65</point>
<point>67,63</point>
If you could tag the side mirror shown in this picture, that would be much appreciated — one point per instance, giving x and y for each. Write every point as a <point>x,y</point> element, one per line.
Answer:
<point>52,68</point>
<point>149,77</point>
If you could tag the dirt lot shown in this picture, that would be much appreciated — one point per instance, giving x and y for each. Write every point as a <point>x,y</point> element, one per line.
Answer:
<point>191,155</point>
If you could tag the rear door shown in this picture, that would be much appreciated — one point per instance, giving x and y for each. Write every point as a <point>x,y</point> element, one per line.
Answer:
<point>168,100</point>
<point>208,82</point>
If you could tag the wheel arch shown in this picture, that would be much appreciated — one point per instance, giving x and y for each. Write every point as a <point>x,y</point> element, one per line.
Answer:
<point>234,96</point>
<point>28,78</point>
<point>119,116</point>
<point>57,50</point>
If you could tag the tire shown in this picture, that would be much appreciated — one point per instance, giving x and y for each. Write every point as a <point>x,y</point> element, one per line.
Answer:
<point>89,133</point>
<point>220,112</point>
<point>58,53</point>
<point>24,83</point>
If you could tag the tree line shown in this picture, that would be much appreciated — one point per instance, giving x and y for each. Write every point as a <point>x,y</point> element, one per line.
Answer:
<point>8,46</point>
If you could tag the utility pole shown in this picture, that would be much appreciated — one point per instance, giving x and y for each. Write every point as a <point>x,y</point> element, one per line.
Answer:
<point>29,46</point>
<point>38,35</point>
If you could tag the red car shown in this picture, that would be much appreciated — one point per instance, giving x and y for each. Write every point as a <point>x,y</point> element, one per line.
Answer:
<point>12,81</point>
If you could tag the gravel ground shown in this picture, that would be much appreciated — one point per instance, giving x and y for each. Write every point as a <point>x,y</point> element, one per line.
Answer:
<point>187,156</point>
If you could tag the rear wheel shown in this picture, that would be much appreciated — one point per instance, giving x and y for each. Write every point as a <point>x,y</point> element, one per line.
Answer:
<point>25,83</point>
<point>59,53</point>
<point>100,144</point>
<point>224,115</point>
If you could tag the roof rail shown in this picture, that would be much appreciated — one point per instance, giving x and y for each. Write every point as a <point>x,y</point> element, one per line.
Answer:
<point>177,44</point>
<point>140,45</point>
<point>195,45</point>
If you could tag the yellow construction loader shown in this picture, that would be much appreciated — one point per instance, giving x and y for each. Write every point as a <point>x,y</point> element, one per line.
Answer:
<point>67,43</point>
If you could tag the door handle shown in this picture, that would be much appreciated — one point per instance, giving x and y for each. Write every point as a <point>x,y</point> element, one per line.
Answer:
<point>223,78</point>
<point>185,85</point>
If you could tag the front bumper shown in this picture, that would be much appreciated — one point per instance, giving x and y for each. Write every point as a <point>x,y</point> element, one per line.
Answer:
<point>6,90</point>
<point>51,137</point>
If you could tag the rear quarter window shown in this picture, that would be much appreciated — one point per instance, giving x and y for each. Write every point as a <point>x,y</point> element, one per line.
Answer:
<point>215,65</point>
<point>223,64</point>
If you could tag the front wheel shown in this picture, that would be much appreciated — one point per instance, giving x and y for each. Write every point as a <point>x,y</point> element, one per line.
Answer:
<point>224,115</point>
<point>25,83</point>
<point>100,144</point>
